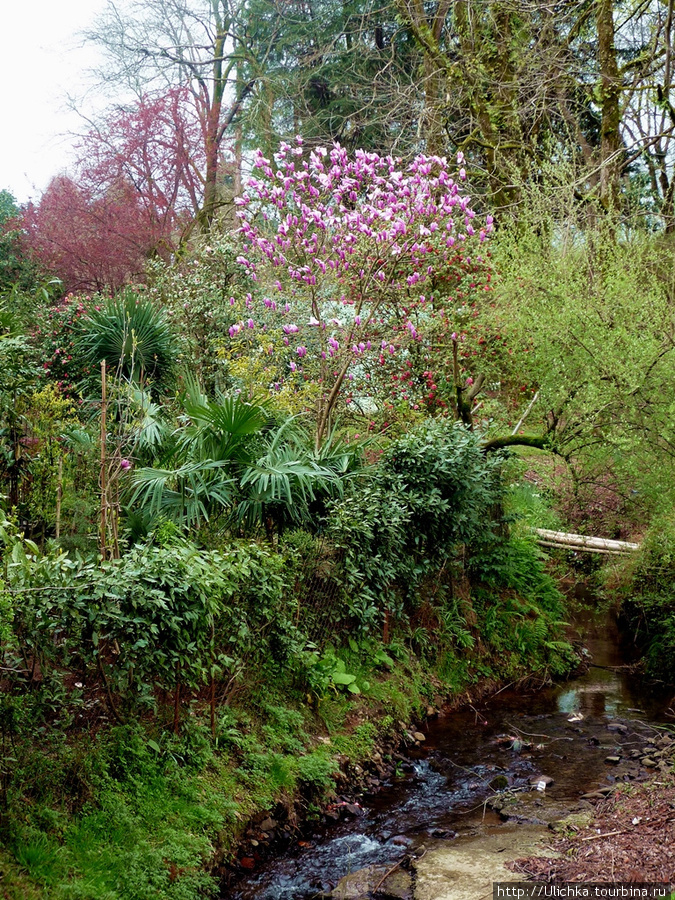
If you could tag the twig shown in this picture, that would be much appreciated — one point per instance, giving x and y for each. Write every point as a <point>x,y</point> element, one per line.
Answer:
<point>525,414</point>
<point>111,702</point>
<point>472,772</point>
<point>596,837</point>
<point>478,718</point>
<point>394,868</point>
<point>534,734</point>
<point>386,875</point>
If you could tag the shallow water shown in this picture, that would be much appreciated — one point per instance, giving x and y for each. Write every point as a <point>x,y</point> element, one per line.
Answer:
<point>467,750</point>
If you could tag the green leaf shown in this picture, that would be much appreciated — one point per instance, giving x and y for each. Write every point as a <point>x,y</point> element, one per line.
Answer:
<point>384,659</point>
<point>343,678</point>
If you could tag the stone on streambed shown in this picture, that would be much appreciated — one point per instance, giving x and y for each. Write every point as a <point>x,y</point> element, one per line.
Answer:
<point>573,822</point>
<point>499,783</point>
<point>536,779</point>
<point>397,886</point>
<point>466,869</point>
<point>359,885</point>
<point>617,727</point>
<point>529,809</point>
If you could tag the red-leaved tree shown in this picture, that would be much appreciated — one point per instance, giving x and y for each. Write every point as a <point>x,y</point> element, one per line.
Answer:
<point>157,146</point>
<point>92,243</point>
<point>137,188</point>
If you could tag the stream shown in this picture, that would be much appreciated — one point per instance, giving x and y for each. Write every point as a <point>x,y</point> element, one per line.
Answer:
<point>565,732</point>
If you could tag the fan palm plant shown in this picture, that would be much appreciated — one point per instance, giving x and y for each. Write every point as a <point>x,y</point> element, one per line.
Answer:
<point>234,458</point>
<point>133,335</point>
<point>278,487</point>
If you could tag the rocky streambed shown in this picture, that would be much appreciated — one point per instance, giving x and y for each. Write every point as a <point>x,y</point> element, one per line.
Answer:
<point>487,785</point>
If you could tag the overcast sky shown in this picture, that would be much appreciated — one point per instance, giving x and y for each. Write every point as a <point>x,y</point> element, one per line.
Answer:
<point>42,62</point>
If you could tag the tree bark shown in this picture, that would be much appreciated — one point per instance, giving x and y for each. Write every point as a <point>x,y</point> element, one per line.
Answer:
<point>610,93</point>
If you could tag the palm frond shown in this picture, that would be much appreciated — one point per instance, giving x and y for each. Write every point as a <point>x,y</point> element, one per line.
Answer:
<point>281,484</point>
<point>186,494</point>
<point>133,335</point>
<point>227,415</point>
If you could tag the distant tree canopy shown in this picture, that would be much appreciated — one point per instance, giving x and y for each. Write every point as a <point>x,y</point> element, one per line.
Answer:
<point>137,189</point>
<point>92,242</point>
<point>511,83</point>
<point>14,267</point>
<point>518,87</point>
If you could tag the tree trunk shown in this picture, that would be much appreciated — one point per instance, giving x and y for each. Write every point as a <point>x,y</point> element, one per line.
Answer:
<point>610,92</point>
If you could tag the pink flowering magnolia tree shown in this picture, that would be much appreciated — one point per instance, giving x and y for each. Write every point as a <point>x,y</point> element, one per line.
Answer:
<point>346,249</point>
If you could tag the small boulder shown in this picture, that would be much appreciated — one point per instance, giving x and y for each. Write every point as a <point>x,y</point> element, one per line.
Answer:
<point>419,736</point>
<point>499,783</point>
<point>358,885</point>
<point>353,809</point>
<point>617,727</point>
<point>536,779</point>
<point>613,760</point>
<point>400,840</point>
<point>573,822</point>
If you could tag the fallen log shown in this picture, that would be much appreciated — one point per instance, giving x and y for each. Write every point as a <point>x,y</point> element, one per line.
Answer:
<point>579,547</point>
<point>584,542</point>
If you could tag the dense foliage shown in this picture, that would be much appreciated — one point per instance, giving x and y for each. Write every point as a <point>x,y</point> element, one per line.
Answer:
<point>649,603</point>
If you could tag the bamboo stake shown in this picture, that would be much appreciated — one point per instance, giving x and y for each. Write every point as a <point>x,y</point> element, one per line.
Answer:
<point>104,486</point>
<point>59,496</point>
<point>525,414</point>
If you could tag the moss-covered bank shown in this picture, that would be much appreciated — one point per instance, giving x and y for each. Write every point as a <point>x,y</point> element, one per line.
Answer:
<point>98,810</point>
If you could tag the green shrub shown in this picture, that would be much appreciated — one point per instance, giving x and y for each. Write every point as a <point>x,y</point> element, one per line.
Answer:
<point>433,492</point>
<point>159,616</point>
<point>650,601</point>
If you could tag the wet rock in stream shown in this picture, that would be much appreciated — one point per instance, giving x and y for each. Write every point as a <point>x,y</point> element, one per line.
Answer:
<point>467,869</point>
<point>377,881</point>
<point>533,809</point>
